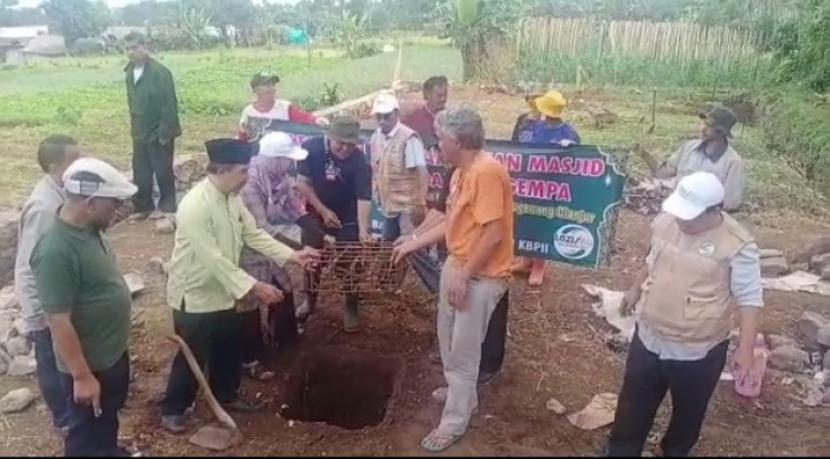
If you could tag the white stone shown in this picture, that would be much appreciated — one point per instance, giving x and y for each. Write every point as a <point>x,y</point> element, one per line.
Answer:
<point>22,365</point>
<point>7,331</point>
<point>789,358</point>
<point>165,226</point>
<point>774,267</point>
<point>20,326</point>
<point>556,406</point>
<point>823,336</point>
<point>5,361</point>
<point>771,253</point>
<point>810,325</point>
<point>16,401</point>
<point>8,300</point>
<point>819,262</point>
<point>776,341</point>
<point>135,283</point>
<point>17,346</point>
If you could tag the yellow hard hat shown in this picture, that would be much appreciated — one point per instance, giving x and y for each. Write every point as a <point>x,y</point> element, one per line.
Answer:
<point>552,104</point>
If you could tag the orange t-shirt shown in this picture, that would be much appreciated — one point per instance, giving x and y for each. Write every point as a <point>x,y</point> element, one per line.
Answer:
<point>480,194</point>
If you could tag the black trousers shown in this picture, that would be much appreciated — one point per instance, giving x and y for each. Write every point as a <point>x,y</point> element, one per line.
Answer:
<point>151,159</point>
<point>49,379</point>
<point>215,340</point>
<point>282,322</point>
<point>349,232</point>
<point>492,349</point>
<point>91,436</point>
<point>646,381</point>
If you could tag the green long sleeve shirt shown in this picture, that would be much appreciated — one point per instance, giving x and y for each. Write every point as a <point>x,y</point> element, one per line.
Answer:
<point>204,271</point>
<point>154,110</point>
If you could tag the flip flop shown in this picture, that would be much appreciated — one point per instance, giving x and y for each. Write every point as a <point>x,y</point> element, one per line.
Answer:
<point>437,442</point>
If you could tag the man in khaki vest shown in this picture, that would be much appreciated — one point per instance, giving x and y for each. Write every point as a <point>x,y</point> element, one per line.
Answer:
<point>701,266</point>
<point>399,170</point>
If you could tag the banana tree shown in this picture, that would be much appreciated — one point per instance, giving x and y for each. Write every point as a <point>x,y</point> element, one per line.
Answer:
<point>474,24</point>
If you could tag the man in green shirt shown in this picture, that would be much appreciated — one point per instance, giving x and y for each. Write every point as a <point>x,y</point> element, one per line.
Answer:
<point>87,305</point>
<point>205,280</point>
<point>154,122</point>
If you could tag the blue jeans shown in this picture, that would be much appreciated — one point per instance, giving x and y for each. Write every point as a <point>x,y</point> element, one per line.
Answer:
<point>49,379</point>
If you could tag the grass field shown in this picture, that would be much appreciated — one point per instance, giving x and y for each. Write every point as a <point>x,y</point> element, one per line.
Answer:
<point>86,98</point>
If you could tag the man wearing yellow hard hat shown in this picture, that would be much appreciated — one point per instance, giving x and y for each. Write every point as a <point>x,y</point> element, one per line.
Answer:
<point>547,128</point>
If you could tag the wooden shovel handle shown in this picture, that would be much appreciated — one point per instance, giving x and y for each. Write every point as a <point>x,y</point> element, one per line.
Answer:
<point>217,409</point>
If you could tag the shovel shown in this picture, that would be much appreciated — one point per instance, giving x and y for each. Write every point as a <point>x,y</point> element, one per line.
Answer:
<point>211,437</point>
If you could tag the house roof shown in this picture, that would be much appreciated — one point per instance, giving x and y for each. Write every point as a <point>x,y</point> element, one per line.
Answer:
<point>10,43</point>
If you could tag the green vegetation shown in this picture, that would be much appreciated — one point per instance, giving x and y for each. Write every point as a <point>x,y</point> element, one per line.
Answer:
<point>85,98</point>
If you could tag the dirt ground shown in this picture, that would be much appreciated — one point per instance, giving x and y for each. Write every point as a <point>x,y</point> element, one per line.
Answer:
<point>555,349</point>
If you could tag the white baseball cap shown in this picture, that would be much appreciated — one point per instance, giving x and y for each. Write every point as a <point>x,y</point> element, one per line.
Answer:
<point>279,145</point>
<point>694,194</point>
<point>385,103</point>
<point>94,178</point>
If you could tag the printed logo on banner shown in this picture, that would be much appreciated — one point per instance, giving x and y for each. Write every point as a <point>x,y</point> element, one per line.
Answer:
<point>574,242</point>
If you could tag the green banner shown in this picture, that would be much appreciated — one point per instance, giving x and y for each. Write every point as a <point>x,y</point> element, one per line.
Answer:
<point>565,198</point>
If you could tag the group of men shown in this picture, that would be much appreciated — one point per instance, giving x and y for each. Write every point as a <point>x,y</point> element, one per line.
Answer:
<point>227,266</point>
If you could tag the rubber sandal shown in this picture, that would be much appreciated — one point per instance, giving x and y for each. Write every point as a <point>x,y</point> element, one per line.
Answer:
<point>437,442</point>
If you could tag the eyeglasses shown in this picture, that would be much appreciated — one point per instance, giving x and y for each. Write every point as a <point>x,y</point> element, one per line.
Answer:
<point>384,116</point>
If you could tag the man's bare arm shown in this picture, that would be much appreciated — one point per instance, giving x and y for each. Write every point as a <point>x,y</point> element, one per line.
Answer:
<point>68,345</point>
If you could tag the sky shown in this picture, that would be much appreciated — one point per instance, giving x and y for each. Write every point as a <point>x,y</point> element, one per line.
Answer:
<point>119,3</point>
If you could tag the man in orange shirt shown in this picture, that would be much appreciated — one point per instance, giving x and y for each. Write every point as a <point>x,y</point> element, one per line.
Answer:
<point>479,235</point>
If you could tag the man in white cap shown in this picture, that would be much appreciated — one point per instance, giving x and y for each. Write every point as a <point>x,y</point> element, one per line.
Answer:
<point>399,167</point>
<point>700,266</point>
<point>87,305</point>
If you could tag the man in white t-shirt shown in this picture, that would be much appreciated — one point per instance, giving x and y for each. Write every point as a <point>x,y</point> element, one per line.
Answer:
<point>258,116</point>
<point>399,170</point>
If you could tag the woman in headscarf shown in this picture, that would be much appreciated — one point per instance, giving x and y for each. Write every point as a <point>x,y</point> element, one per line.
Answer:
<point>270,197</point>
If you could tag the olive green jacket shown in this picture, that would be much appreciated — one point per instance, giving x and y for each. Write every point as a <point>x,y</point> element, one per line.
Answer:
<point>154,111</point>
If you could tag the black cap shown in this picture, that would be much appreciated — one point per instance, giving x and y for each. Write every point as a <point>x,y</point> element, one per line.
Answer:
<point>721,118</point>
<point>230,151</point>
<point>262,78</point>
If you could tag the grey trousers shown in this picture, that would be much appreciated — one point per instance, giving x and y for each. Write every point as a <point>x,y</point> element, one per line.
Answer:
<point>460,334</point>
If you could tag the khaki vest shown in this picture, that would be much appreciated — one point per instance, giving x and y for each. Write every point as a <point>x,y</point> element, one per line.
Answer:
<point>395,185</point>
<point>687,295</point>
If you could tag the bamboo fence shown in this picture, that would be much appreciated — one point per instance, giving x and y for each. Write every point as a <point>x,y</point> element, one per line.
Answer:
<point>659,41</point>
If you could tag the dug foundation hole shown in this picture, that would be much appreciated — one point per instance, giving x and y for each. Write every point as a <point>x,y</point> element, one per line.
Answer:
<point>342,388</point>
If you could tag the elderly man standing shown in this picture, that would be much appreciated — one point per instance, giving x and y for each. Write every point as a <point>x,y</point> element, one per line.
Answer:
<point>400,176</point>
<point>701,265</point>
<point>154,121</point>
<point>87,305</point>
<point>479,236</point>
<point>54,155</point>
<point>205,280</point>
<point>711,153</point>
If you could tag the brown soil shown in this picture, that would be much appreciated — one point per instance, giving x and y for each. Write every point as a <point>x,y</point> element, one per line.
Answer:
<point>556,348</point>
